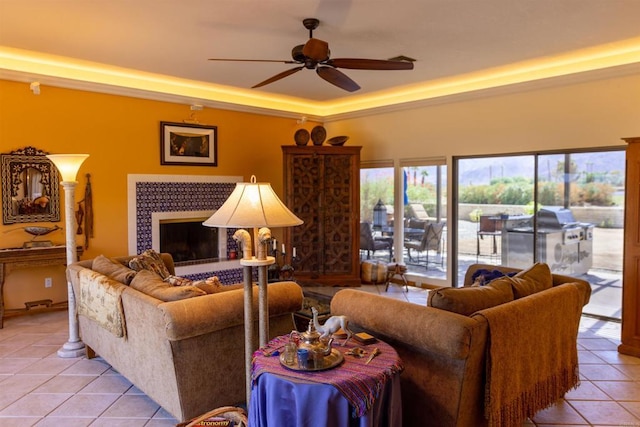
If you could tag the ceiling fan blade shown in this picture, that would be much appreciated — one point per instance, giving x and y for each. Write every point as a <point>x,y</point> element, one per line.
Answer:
<point>316,49</point>
<point>337,78</point>
<point>253,60</point>
<point>278,76</point>
<point>369,64</point>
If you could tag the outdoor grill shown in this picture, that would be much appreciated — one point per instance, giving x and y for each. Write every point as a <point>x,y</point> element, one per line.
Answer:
<point>562,242</point>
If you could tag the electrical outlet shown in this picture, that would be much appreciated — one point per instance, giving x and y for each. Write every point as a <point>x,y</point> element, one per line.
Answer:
<point>48,282</point>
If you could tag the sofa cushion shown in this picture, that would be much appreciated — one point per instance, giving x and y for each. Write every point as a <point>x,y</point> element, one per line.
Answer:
<point>150,260</point>
<point>211,285</point>
<point>534,279</point>
<point>113,269</point>
<point>151,284</point>
<point>467,301</point>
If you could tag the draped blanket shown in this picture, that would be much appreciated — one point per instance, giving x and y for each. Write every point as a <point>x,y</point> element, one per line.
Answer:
<point>532,357</point>
<point>358,382</point>
<point>100,300</point>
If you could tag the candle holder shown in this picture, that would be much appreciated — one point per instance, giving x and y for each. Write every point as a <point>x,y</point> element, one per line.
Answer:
<point>274,270</point>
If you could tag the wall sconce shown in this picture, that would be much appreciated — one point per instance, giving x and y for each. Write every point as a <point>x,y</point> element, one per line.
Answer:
<point>68,166</point>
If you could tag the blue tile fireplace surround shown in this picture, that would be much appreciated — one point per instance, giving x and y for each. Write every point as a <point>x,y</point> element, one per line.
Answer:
<point>149,194</point>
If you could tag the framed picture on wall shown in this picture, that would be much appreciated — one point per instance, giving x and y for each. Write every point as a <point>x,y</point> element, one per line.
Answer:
<point>188,144</point>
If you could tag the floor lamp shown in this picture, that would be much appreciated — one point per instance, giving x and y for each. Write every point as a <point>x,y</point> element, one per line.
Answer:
<point>253,205</point>
<point>68,166</point>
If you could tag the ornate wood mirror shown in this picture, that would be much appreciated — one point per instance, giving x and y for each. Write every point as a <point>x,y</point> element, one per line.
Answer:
<point>29,187</point>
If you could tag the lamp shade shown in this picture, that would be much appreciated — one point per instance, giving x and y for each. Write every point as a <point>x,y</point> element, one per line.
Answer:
<point>68,164</point>
<point>253,204</point>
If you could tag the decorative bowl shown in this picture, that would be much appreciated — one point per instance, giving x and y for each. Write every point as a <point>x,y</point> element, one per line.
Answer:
<point>301,137</point>
<point>318,135</point>
<point>338,140</point>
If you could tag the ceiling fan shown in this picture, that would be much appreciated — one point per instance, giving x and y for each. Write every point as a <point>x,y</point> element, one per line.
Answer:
<point>315,54</point>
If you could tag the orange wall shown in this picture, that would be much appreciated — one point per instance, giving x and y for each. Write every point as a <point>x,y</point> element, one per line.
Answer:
<point>122,136</point>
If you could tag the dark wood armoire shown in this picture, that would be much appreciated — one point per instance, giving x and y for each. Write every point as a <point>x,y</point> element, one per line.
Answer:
<point>322,187</point>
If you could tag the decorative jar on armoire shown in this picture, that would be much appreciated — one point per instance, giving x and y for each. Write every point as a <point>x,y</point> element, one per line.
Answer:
<point>322,187</point>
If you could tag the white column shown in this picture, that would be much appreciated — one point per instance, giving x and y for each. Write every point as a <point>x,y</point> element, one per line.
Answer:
<point>74,347</point>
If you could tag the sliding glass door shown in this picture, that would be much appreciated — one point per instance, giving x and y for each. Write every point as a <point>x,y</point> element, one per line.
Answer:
<point>406,207</point>
<point>565,209</point>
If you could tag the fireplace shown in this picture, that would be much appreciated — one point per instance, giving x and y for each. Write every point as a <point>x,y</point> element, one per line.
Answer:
<point>188,241</point>
<point>183,236</point>
<point>194,247</point>
<point>177,199</point>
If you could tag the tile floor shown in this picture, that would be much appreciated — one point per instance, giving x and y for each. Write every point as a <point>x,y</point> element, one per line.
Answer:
<point>40,389</point>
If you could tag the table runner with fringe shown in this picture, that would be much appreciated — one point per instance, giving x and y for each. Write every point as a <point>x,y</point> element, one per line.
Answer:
<point>359,383</point>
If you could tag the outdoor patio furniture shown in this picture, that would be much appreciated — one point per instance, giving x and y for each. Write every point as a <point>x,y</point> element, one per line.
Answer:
<point>418,211</point>
<point>431,241</point>
<point>488,225</point>
<point>371,243</point>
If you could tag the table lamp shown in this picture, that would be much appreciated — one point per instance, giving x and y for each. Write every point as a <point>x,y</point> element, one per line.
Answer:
<point>68,166</point>
<point>253,205</point>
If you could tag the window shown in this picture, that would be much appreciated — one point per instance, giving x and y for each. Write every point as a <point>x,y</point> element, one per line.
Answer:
<point>562,208</point>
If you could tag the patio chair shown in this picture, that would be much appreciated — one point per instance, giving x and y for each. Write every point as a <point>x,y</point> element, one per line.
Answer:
<point>431,241</point>
<point>372,244</point>
<point>418,211</point>
<point>488,226</point>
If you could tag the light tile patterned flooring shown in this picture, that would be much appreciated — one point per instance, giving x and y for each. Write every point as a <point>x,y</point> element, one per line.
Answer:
<point>37,388</point>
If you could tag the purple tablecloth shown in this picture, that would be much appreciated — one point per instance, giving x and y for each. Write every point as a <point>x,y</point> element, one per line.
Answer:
<point>352,394</point>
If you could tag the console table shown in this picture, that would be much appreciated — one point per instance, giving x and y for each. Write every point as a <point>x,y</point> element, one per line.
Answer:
<point>14,258</point>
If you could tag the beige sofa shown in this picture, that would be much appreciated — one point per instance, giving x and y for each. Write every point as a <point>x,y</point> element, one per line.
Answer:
<point>187,355</point>
<point>448,377</point>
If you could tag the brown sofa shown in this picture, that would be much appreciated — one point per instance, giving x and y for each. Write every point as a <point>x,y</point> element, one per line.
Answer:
<point>188,354</point>
<point>445,381</point>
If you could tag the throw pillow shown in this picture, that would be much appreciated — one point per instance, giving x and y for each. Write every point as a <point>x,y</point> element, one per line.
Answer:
<point>178,281</point>
<point>151,284</point>
<point>212,285</point>
<point>150,260</point>
<point>467,301</point>
<point>534,279</point>
<point>483,276</point>
<point>113,269</point>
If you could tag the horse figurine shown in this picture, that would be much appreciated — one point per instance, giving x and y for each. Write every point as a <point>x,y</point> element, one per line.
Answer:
<point>331,326</point>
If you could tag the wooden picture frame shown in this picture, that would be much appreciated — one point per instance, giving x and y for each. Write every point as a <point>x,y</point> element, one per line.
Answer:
<point>30,187</point>
<point>188,144</point>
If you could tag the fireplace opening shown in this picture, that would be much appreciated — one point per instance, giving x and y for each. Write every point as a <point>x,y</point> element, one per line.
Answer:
<point>188,241</point>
